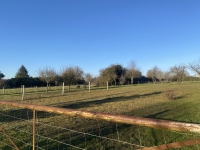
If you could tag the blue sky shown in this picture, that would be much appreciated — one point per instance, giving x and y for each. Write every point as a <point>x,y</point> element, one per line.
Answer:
<point>93,34</point>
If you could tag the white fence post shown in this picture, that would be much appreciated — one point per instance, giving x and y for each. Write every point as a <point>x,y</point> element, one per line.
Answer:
<point>63,88</point>
<point>3,90</point>
<point>22,92</point>
<point>89,86</point>
<point>34,128</point>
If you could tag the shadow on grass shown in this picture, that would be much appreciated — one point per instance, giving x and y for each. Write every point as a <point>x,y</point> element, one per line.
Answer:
<point>179,97</point>
<point>124,132</point>
<point>15,114</point>
<point>157,114</point>
<point>82,104</point>
<point>22,115</point>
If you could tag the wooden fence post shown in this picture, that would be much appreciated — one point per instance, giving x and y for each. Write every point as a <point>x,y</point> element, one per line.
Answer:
<point>47,88</point>
<point>107,85</point>
<point>3,90</point>
<point>23,92</point>
<point>34,122</point>
<point>89,86</point>
<point>63,88</point>
<point>35,89</point>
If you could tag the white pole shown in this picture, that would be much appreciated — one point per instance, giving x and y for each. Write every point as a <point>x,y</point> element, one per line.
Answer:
<point>89,86</point>
<point>47,88</point>
<point>107,85</point>
<point>3,90</point>
<point>63,89</point>
<point>35,87</point>
<point>22,92</point>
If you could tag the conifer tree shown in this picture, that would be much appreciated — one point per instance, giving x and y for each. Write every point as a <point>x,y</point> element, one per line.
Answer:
<point>22,73</point>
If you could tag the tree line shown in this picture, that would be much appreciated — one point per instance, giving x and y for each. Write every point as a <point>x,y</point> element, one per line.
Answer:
<point>114,74</point>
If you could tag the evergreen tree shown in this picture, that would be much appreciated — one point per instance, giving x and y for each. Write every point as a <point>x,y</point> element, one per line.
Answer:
<point>22,73</point>
<point>21,77</point>
<point>1,75</point>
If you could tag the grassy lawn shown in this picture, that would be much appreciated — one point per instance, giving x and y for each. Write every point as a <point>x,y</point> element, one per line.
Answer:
<point>144,100</point>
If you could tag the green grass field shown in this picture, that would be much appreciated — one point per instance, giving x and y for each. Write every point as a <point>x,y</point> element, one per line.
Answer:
<point>144,100</point>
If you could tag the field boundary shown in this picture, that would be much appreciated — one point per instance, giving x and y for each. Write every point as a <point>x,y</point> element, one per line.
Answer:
<point>132,120</point>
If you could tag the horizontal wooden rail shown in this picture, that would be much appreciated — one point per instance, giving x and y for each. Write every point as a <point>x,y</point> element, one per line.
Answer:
<point>154,123</point>
<point>173,145</point>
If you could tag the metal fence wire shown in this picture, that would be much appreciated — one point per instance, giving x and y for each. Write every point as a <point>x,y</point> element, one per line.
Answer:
<point>27,126</point>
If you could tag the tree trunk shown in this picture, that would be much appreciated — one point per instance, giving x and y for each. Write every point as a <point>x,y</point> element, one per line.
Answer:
<point>131,80</point>
<point>47,88</point>
<point>69,88</point>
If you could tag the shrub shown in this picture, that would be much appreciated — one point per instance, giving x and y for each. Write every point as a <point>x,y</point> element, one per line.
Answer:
<point>171,95</point>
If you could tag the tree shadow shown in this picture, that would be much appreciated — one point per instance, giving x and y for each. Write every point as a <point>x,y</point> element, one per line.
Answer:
<point>82,104</point>
<point>22,115</point>
<point>157,114</point>
<point>109,128</point>
<point>26,114</point>
<point>179,97</point>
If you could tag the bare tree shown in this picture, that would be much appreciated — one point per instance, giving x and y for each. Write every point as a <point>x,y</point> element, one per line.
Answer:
<point>153,73</point>
<point>195,66</point>
<point>167,76</point>
<point>96,81</point>
<point>160,76</point>
<point>133,71</point>
<point>179,72</point>
<point>71,75</point>
<point>122,78</point>
<point>88,77</point>
<point>57,79</point>
<point>47,74</point>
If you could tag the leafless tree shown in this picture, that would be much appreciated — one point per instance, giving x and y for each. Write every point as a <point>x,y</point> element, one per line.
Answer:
<point>153,73</point>
<point>167,76</point>
<point>57,79</point>
<point>47,74</point>
<point>195,66</point>
<point>96,81</point>
<point>133,71</point>
<point>179,72</point>
<point>160,76</point>
<point>71,75</point>
<point>122,79</point>
<point>88,77</point>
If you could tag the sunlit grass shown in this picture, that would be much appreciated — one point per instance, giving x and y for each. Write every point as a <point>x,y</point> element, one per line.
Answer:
<point>145,100</point>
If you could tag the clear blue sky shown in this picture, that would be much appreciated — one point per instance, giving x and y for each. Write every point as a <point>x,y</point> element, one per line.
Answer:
<point>93,34</point>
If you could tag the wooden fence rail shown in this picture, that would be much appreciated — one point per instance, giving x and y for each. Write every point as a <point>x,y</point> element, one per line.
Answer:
<point>133,120</point>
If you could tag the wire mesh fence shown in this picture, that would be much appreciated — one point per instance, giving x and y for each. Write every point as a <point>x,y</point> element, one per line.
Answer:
<point>50,128</point>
